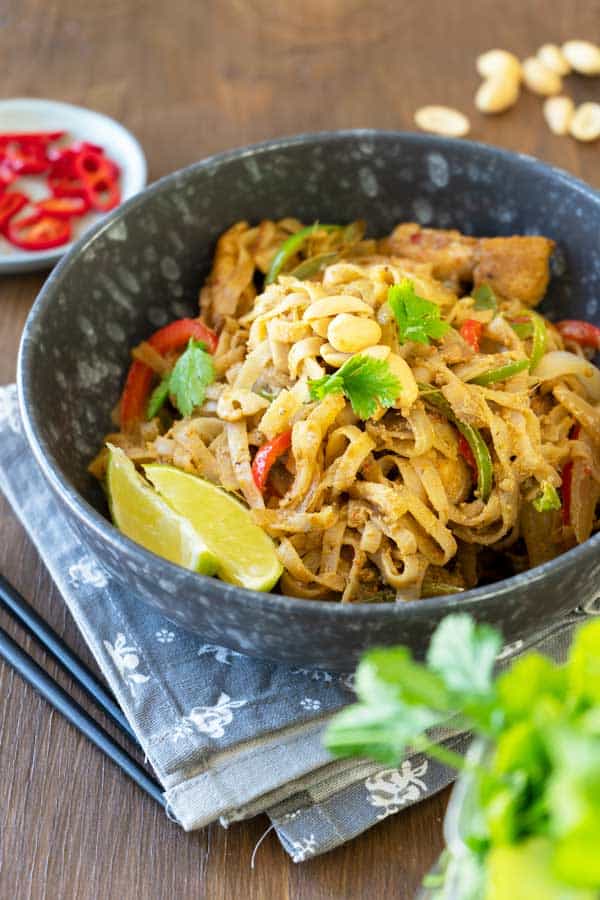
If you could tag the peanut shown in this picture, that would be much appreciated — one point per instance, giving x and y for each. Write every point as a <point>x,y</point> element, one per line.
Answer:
<point>558,112</point>
<point>583,56</point>
<point>497,94</point>
<point>350,334</point>
<point>499,63</point>
<point>585,124</point>
<point>410,390</point>
<point>553,58</point>
<point>539,78</point>
<point>442,120</point>
<point>320,326</point>
<point>336,359</point>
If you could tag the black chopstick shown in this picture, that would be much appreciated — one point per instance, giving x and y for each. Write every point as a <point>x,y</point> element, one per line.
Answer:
<point>71,710</point>
<point>33,623</point>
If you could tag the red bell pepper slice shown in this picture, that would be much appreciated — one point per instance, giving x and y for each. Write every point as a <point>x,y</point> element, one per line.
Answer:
<point>38,232</point>
<point>583,333</point>
<point>467,454</point>
<point>267,455</point>
<point>471,330</point>
<point>174,336</point>
<point>567,480</point>
<point>97,175</point>
<point>63,207</point>
<point>30,137</point>
<point>10,203</point>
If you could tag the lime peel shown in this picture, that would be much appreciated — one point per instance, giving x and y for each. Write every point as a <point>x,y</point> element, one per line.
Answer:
<point>142,515</point>
<point>245,554</point>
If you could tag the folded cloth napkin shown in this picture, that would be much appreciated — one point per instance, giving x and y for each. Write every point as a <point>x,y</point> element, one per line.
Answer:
<point>228,736</point>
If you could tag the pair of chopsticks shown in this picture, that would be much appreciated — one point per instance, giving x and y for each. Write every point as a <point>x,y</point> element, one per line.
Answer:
<point>21,611</point>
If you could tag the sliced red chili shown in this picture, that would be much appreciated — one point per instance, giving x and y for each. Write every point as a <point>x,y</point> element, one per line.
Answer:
<point>172,337</point>
<point>30,137</point>
<point>7,175</point>
<point>10,204</point>
<point>27,158</point>
<point>63,207</point>
<point>97,175</point>
<point>38,232</point>
<point>583,333</point>
<point>471,330</point>
<point>66,186</point>
<point>467,454</point>
<point>267,456</point>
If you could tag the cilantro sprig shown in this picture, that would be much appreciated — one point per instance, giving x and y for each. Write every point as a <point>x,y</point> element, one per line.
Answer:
<point>365,381</point>
<point>417,319</point>
<point>535,790</point>
<point>186,383</point>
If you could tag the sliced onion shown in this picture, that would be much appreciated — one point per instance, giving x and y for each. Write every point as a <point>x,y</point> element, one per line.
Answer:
<point>559,363</point>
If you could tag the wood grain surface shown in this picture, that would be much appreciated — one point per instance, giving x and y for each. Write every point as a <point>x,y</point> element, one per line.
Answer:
<point>189,78</point>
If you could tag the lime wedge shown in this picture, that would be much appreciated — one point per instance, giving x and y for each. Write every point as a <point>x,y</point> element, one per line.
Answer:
<point>142,515</point>
<point>245,554</point>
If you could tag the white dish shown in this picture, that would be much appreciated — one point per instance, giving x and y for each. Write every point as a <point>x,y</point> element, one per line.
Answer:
<point>28,114</point>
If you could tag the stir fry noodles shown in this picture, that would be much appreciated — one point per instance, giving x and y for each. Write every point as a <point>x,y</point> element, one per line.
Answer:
<point>394,413</point>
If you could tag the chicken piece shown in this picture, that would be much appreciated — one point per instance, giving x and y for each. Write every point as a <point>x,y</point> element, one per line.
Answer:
<point>451,253</point>
<point>515,267</point>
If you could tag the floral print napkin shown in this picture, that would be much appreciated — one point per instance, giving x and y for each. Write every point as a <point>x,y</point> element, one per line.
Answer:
<point>228,736</point>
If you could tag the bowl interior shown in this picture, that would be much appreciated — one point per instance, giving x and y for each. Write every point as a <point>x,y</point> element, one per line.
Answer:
<point>145,264</point>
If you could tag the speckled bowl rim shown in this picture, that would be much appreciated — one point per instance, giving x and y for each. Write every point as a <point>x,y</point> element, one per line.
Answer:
<point>104,529</point>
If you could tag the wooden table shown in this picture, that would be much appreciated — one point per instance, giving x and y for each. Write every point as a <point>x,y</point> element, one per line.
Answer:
<point>192,78</point>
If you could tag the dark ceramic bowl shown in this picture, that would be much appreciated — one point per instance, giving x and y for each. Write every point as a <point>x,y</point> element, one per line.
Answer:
<point>143,266</point>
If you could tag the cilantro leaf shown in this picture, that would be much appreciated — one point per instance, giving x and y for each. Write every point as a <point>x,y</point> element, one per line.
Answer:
<point>484,297</point>
<point>529,680</point>
<point>365,382</point>
<point>381,731</point>
<point>158,397</point>
<point>191,375</point>
<point>548,498</point>
<point>463,654</point>
<point>392,675</point>
<point>583,666</point>
<point>417,319</point>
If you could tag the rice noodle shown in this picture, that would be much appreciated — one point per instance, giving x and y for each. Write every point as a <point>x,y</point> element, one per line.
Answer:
<point>387,504</point>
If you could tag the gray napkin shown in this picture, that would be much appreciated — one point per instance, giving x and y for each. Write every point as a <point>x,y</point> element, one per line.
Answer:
<point>228,736</point>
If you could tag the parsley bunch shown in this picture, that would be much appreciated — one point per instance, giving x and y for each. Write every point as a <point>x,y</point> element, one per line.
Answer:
<point>535,830</point>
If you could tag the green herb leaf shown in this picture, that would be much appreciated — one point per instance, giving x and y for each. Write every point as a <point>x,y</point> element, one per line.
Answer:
<point>530,679</point>
<point>158,397</point>
<point>392,676</point>
<point>191,375</point>
<point>583,668</point>
<point>365,381</point>
<point>484,297</point>
<point>463,654</point>
<point>547,499</point>
<point>417,319</point>
<point>379,731</point>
